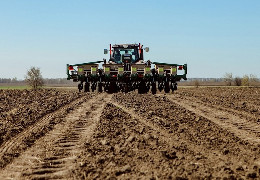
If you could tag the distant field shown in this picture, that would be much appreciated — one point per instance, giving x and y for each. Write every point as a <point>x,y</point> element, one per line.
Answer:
<point>45,87</point>
<point>23,86</point>
<point>74,85</point>
<point>69,88</point>
<point>14,87</point>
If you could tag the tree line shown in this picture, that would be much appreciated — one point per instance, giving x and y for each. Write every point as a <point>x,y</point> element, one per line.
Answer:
<point>246,80</point>
<point>34,79</point>
<point>45,80</point>
<point>10,80</point>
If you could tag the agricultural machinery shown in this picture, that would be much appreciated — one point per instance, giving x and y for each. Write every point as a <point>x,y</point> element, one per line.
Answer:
<point>126,71</point>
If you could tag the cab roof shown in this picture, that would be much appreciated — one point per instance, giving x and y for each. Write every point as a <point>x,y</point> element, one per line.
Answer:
<point>125,45</point>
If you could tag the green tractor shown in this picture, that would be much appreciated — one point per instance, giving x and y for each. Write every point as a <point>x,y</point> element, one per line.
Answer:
<point>126,70</point>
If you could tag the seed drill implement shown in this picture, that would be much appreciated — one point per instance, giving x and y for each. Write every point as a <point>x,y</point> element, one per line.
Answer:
<point>126,70</point>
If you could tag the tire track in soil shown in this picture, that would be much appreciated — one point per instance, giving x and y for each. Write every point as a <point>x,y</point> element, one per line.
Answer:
<point>125,147</point>
<point>242,114</point>
<point>13,147</point>
<point>242,128</point>
<point>164,134</point>
<point>219,153</point>
<point>53,156</point>
<point>171,139</point>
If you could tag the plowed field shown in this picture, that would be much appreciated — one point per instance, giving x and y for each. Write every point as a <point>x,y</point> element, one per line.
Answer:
<point>194,133</point>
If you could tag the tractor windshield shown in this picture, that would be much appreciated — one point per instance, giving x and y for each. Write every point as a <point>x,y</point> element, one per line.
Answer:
<point>118,52</point>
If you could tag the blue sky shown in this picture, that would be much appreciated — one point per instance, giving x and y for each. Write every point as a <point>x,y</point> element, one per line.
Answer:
<point>212,36</point>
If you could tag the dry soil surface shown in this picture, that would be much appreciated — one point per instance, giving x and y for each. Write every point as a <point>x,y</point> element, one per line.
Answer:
<point>193,133</point>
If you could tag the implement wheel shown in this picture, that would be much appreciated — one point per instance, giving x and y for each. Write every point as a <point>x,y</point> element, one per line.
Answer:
<point>142,87</point>
<point>125,88</point>
<point>160,86</point>
<point>153,88</point>
<point>93,86</point>
<point>112,88</point>
<point>100,87</point>
<point>106,87</point>
<point>166,87</point>
<point>80,86</point>
<point>86,87</point>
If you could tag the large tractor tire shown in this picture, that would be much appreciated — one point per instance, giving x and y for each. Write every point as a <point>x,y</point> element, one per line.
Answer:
<point>86,87</point>
<point>142,87</point>
<point>100,85</point>
<point>153,88</point>
<point>112,88</point>
<point>166,87</point>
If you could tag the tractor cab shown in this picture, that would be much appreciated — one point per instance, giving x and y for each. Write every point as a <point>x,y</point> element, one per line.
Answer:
<point>125,53</point>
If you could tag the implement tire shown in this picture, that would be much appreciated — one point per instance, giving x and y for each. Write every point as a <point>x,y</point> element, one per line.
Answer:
<point>80,86</point>
<point>153,88</point>
<point>166,87</point>
<point>112,88</point>
<point>86,87</point>
<point>100,87</point>
<point>141,87</point>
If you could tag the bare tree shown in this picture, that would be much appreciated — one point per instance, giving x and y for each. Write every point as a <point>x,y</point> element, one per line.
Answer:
<point>245,80</point>
<point>238,81</point>
<point>228,77</point>
<point>196,83</point>
<point>34,78</point>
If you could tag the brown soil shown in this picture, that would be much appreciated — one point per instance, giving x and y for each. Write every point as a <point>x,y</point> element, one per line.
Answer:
<point>195,133</point>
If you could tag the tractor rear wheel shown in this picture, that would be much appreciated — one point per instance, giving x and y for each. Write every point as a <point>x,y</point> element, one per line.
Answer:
<point>141,87</point>
<point>100,87</point>
<point>86,87</point>
<point>166,87</point>
<point>153,88</point>
<point>112,88</point>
